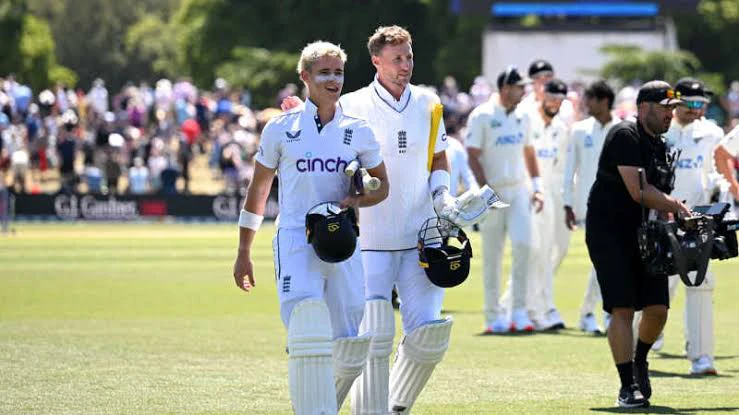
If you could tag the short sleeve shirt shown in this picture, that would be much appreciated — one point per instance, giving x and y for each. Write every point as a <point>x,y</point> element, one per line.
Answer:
<point>610,203</point>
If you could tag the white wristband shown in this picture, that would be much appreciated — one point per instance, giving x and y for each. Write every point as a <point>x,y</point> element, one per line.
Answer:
<point>439,178</point>
<point>536,184</point>
<point>250,220</point>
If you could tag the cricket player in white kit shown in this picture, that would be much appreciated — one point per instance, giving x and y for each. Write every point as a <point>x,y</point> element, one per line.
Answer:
<point>412,145</point>
<point>548,132</point>
<point>502,155</point>
<point>580,167</point>
<point>695,179</point>
<point>321,303</point>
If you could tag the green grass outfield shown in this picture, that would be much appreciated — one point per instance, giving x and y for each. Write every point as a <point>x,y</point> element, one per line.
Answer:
<point>140,319</point>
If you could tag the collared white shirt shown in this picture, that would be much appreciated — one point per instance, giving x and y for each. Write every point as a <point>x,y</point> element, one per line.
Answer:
<point>402,128</point>
<point>310,164</point>
<point>501,137</point>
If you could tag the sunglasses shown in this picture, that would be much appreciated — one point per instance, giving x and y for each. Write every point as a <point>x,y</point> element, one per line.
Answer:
<point>695,105</point>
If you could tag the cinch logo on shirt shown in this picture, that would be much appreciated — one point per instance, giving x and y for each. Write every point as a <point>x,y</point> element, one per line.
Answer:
<point>509,139</point>
<point>310,164</point>
<point>686,163</point>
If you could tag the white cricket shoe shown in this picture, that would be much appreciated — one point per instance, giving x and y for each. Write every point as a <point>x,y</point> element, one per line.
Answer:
<point>703,366</point>
<point>555,320</point>
<point>589,324</point>
<point>659,343</point>
<point>520,321</point>
<point>501,325</point>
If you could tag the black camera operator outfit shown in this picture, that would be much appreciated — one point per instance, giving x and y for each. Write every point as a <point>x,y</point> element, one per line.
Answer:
<point>611,233</point>
<point>613,219</point>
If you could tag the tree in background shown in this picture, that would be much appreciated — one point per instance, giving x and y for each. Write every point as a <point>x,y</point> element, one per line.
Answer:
<point>28,50</point>
<point>712,34</point>
<point>630,63</point>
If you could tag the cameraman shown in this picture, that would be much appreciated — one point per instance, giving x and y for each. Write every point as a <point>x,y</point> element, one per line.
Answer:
<point>613,217</point>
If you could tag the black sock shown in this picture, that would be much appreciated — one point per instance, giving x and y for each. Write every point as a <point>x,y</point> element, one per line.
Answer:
<point>641,351</point>
<point>626,373</point>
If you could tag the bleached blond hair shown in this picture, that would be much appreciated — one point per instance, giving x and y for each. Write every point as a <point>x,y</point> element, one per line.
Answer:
<point>316,50</point>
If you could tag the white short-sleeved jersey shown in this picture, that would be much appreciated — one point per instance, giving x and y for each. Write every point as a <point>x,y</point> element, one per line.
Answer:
<point>581,161</point>
<point>459,168</point>
<point>402,128</point>
<point>502,137</point>
<point>731,141</point>
<point>696,141</point>
<point>310,165</point>
<point>547,139</point>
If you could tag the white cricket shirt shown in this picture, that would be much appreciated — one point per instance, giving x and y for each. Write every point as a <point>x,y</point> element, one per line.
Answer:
<point>310,165</point>
<point>402,128</point>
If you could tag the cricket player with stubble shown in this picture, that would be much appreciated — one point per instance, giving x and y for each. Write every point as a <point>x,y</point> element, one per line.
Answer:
<point>548,134</point>
<point>321,303</point>
<point>502,156</point>
<point>695,180</point>
<point>402,116</point>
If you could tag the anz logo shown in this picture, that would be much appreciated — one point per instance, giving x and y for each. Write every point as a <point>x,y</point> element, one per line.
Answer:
<point>588,141</point>
<point>687,163</point>
<point>511,139</point>
<point>547,153</point>
<point>318,164</point>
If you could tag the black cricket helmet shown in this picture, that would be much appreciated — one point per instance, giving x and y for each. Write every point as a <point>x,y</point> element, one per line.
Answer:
<point>332,231</point>
<point>446,264</point>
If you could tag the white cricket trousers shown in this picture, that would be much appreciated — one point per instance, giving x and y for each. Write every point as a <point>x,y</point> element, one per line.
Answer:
<point>516,222</point>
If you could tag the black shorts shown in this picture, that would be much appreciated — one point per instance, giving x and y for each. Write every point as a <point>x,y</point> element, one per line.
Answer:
<point>621,274</point>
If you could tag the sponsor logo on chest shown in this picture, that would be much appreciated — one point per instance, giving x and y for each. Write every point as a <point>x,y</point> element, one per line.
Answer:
<point>509,139</point>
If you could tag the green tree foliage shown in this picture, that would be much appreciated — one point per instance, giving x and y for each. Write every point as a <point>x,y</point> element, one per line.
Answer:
<point>630,63</point>
<point>11,29</point>
<point>28,49</point>
<point>260,71</point>
<point>91,36</point>
<point>213,29</point>
<point>711,35</point>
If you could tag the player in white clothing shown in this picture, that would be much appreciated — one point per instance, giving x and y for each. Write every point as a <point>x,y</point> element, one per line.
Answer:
<point>695,179</point>
<point>541,72</point>
<point>321,303</point>
<point>461,176</point>
<point>581,164</point>
<point>725,155</point>
<point>501,155</point>
<point>412,145</point>
<point>547,133</point>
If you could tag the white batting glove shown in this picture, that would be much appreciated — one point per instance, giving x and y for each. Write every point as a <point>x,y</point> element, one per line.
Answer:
<point>445,205</point>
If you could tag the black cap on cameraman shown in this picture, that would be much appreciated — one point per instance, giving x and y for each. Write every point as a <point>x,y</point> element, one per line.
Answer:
<point>540,67</point>
<point>511,76</point>
<point>659,92</point>
<point>691,89</point>
<point>556,88</point>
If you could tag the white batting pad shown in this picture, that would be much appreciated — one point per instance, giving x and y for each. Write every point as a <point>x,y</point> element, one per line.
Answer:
<point>350,357</point>
<point>418,354</point>
<point>699,318</point>
<point>370,391</point>
<point>310,366</point>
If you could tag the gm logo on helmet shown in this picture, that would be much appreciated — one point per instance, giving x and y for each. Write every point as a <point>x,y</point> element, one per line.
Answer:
<point>333,227</point>
<point>454,265</point>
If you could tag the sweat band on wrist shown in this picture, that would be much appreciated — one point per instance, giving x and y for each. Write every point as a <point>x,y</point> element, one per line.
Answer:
<point>250,220</point>
<point>536,184</point>
<point>439,178</point>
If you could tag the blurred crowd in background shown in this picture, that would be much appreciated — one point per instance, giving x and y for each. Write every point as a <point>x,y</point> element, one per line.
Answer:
<point>162,138</point>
